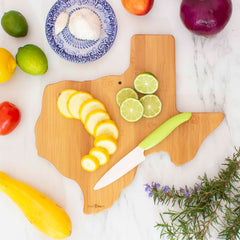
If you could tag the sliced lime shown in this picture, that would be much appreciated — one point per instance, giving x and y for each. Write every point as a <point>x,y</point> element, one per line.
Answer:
<point>152,105</point>
<point>146,83</point>
<point>131,110</point>
<point>124,94</point>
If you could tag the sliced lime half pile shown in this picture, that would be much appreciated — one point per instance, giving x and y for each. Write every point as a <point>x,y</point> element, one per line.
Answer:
<point>149,106</point>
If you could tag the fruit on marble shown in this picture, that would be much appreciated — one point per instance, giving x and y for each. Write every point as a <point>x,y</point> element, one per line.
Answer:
<point>101,154</point>
<point>93,118</point>
<point>205,17</point>
<point>89,106</point>
<point>131,110</point>
<point>32,60</point>
<point>90,163</point>
<point>10,117</point>
<point>125,93</point>
<point>42,212</point>
<point>7,65</point>
<point>76,101</point>
<point>15,24</point>
<point>146,83</point>
<point>62,102</point>
<point>138,7</point>
<point>152,105</point>
<point>106,127</point>
<point>107,142</point>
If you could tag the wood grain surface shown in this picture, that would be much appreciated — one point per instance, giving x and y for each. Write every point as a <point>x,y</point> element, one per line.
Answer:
<point>65,141</point>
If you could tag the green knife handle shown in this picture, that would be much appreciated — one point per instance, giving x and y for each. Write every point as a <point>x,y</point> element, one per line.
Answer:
<point>164,130</point>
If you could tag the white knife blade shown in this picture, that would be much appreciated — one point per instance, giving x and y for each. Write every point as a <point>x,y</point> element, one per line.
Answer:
<point>136,156</point>
<point>130,161</point>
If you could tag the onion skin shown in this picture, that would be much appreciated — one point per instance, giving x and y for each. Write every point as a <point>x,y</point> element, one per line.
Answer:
<point>205,17</point>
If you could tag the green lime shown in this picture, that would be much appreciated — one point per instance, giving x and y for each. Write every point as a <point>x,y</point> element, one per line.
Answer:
<point>32,60</point>
<point>125,93</point>
<point>152,105</point>
<point>146,83</point>
<point>131,110</point>
<point>15,24</point>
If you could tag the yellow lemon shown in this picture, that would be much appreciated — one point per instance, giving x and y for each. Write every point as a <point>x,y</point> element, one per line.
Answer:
<point>7,65</point>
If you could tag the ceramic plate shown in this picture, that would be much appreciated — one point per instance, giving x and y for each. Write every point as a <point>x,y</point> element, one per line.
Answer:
<point>72,48</point>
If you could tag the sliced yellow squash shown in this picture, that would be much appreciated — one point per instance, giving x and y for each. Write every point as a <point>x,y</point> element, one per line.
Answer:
<point>93,118</point>
<point>89,106</point>
<point>75,102</point>
<point>106,127</point>
<point>90,163</point>
<point>63,100</point>
<point>107,142</point>
<point>101,154</point>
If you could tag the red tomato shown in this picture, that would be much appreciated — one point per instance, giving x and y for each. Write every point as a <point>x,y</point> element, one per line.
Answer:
<point>9,117</point>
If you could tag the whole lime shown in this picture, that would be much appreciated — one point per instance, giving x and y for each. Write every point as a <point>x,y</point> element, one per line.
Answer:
<point>15,24</point>
<point>32,60</point>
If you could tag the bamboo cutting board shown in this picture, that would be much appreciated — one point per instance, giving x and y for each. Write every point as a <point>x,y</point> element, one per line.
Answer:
<point>65,141</point>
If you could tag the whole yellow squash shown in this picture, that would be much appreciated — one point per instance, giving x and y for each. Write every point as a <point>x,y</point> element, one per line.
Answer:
<point>42,212</point>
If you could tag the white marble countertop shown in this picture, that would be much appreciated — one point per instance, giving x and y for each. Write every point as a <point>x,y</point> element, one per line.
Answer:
<point>207,78</point>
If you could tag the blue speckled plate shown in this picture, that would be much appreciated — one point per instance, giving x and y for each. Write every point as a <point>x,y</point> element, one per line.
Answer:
<point>72,48</point>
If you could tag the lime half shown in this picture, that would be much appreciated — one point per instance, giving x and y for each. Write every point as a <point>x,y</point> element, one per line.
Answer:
<point>131,110</point>
<point>124,94</point>
<point>152,105</point>
<point>146,83</point>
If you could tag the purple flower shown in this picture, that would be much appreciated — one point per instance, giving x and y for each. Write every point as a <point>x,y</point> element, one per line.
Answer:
<point>153,184</point>
<point>166,189</point>
<point>197,186</point>
<point>182,190</point>
<point>187,193</point>
<point>150,194</point>
<point>158,185</point>
<point>147,187</point>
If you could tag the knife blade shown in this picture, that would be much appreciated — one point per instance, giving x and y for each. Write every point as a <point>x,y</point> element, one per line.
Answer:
<point>136,156</point>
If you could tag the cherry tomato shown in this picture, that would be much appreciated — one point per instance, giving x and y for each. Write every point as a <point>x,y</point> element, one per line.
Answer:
<point>10,117</point>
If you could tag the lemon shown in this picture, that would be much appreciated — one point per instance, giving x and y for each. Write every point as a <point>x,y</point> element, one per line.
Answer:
<point>131,110</point>
<point>63,100</point>
<point>106,127</point>
<point>15,24</point>
<point>152,105</point>
<point>75,102</point>
<point>32,60</point>
<point>93,118</point>
<point>90,163</point>
<point>107,142</point>
<point>7,65</point>
<point>146,83</point>
<point>89,106</point>
<point>101,154</point>
<point>125,93</point>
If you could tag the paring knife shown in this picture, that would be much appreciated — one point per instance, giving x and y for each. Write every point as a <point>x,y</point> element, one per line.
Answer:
<point>136,156</point>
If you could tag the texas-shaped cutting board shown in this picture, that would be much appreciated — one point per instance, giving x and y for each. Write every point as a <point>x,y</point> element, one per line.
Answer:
<point>65,141</point>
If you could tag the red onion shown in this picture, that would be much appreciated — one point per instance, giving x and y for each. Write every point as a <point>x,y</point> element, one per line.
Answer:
<point>205,17</point>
